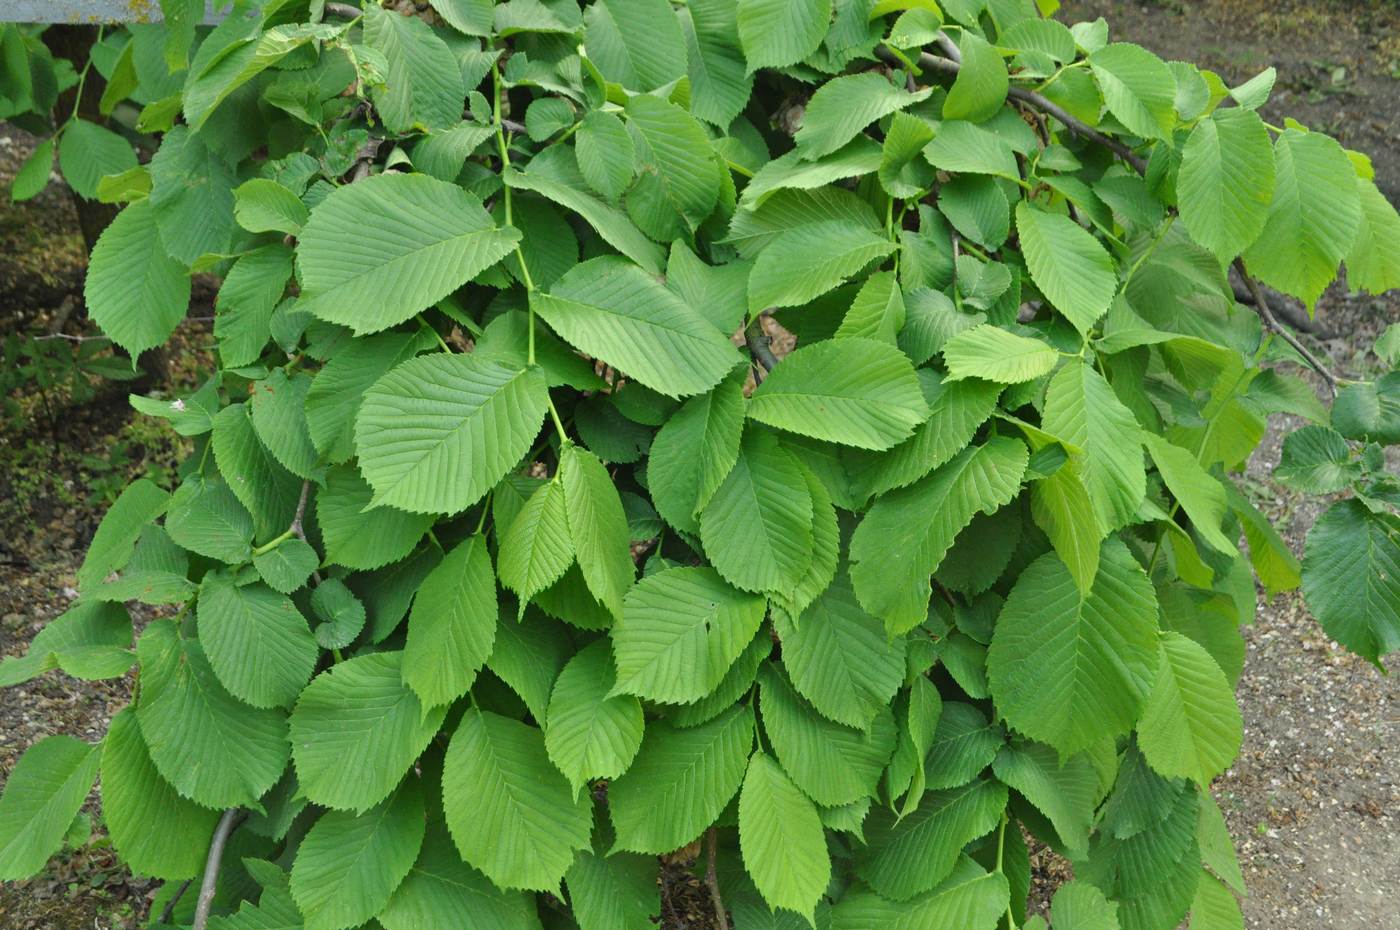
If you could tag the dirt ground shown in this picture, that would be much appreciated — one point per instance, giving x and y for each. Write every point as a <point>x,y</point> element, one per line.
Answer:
<point>1314,799</point>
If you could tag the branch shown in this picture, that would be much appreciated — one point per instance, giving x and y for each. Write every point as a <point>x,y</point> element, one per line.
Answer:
<point>760,348</point>
<point>227,824</point>
<point>343,10</point>
<point>1271,323</point>
<point>950,48</point>
<point>711,879</point>
<point>169,910</point>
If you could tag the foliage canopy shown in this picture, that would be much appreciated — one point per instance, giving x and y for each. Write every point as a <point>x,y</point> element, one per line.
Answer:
<point>510,557</point>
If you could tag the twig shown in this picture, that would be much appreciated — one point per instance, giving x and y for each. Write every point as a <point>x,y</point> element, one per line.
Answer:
<point>1077,126</point>
<point>227,824</point>
<point>169,910</point>
<point>1261,307</point>
<point>296,527</point>
<point>711,879</point>
<point>51,336</point>
<point>950,48</point>
<point>343,10</point>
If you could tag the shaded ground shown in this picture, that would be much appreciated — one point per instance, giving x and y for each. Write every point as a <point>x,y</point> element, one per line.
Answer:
<point>1313,801</point>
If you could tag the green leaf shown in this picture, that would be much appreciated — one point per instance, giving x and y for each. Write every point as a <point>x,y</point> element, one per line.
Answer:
<point>90,640</point>
<point>589,731</point>
<point>781,837</point>
<point>437,432</point>
<point>597,526</point>
<point>205,517</point>
<point>680,631</point>
<point>1068,265</point>
<point>852,391</point>
<point>473,17</point>
<point>423,84</point>
<point>833,764</point>
<point>970,898</point>
<point>606,156</point>
<point>192,192</point>
<point>777,33</point>
<point>42,795</point>
<point>757,528</point>
<point>680,782</point>
<point>720,84</point>
<point>1078,905</point>
<point>339,387</point>
<point>510,811</point>
<point>1369,410</point>
<point>442,891</point>
<point>1138,87</point>
<point>1313,217</point>
<point>790,171</point>
<point>752,230</point>
<point>212,748</point>
<point>1214,907</point>
<point>1373,263</point>
<point>154,830</point>
<point>359,538</point>
<point>1190,727</point>
<point>529,656</point>
<point>1316,460</point>
<point>635,43</point>
<point>348,865</point>
<point>964,743</point>
<point>33,176</point>
<point>452,627</point>
<point>536,548</point>
<point>1226,181</point>
<point>135,291</point>
<point>268,491</point>
<point>1066,792</point>
<point>906,533</point>
<point>1200,494</point>
<point>1351,577</point>
<point>842,107</point>
<point>908,857</point>
<point>263,205</point>
<point>278,406</point>
<point>88,152</point>
<point>139,504</point>
<point>839,658</point>
<point>375,253</point>
<point>967,148</point>
<point>993,354</point>
<point>615,893</point>
<point>808,261</point>
<point>1081,409</point>
<point>356,729</point>
<point>257,641</point>
<point>246,303</point>
<point>902,173</point>
<point>341,613</point>
<point>979,91</point>
<point>694,450</point>
<point>614,311</point>
<point>1069,669</point>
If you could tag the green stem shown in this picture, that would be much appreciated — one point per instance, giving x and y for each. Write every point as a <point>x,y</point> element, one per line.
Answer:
<point>485,512</point>
<point>82,82</point>
<point>273,543</point>
<point>436,335</point>
<point>558,423</point>
<point>1001,849</point>
<point>504,147</point>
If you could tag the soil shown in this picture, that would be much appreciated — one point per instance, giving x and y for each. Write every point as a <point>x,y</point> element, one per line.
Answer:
<point>1314,799</point>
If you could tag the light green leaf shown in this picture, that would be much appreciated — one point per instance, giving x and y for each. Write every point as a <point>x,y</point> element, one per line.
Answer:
<point>967,148</point>
<point>902,173</point>
<point>694,450</point>
<point>348,865</point>
<point>970,898</point>
<point>133,290</point>
<point>90,640</point>
<point>529,655</point>
<point>339,387</point>
<point>437,432</point>
<point>1138,87</point>
<point>635,43</point>
<point>268,491</point>
<point>443,891</point>
<point>681,629</point>
<point>263,205</point>
<point>139,504</point>
<point>839,658</point>
<point>1191,727</point>
<point>589,731</point>
<point>618,892</point>
<point>752,230</point>
<point>1351,577</point>
<point>781,837</point>
<point>206,517</point>
<point>964,743</point>
<point>808,261</point>
<point>43,794</point>
<point>905,858</point>
<point>1069,669</point>
<point>757,528</point>
<point>510,812</point>
<point>375,253</point>
<point>33,176</point>
<point>597,526</point>
<point>719,81</point>
<point>1081,409</point>
<point>614,311</point>
<point>257,641</point>
<point>979,91</point>
<point>1068,265</point>
<point>452,627</point>
<point>680,782</point>
<point>246,303</point>
<point>777,33</point>
<point>906,533</point>
<point>673,148</point>
<point>1214,907</point>
<point>154,830</point>
<point>536,548</point>
<point>1313,218</point>
<point>993,354</point>
<point>88,152</point>
<point>1078,905</point>
<point>789,171</point>
<point>473,17</point>
<point>1200,494</point>
<point>1373,261</point>
<point>423,86</point>
<point>212,748</point>
<point>844,106</point>
<point>356,729</point>
<point>1226,181</point>
<point>852,391</point>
